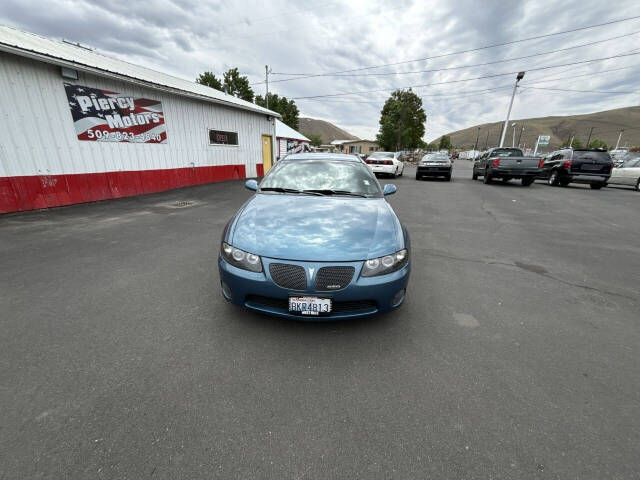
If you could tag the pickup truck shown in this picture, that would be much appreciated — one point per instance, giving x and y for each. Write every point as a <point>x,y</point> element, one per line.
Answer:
<point>578,165</point>
<point>506,163</point>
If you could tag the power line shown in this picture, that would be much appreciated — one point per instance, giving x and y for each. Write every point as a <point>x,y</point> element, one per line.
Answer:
<point>467,79</point>
<point>537,37</point>
<point>580,91</point>
<point>494,62</point>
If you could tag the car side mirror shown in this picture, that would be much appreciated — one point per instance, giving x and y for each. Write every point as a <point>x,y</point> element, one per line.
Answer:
<point>251,185</point>
<point>389,189</point>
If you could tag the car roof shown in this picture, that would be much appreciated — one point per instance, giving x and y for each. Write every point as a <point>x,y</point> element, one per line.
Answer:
<point>321,156</point>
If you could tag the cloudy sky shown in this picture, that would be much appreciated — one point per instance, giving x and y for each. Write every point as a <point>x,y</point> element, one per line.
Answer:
<point>317,37</point>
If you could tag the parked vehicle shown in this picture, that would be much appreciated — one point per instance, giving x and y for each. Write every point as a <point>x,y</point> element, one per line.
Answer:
<point>505,164</point>
<point>622,158</point>
<point>387,163</point>
<point>627,174</point>
<point>318,240</point>
<point>434,165</point>
<point>578,165</point>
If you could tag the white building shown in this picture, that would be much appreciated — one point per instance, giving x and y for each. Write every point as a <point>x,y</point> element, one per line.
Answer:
<point>77,126</point>
<point>289,140</point>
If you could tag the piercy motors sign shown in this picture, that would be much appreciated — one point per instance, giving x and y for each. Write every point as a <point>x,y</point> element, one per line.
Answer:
<point>105,116</point>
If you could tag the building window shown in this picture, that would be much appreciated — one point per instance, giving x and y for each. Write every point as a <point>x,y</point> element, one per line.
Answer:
<point>218,137</point>
<point>354,149</point>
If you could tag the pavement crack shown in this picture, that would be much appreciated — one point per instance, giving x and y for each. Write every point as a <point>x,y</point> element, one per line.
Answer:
<point>535,269</point>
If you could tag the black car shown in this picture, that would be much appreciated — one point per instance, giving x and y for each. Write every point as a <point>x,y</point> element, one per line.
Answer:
<point>577,165</point>
<point>434,165</point>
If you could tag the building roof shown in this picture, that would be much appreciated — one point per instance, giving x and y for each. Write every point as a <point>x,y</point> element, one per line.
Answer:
<point>357,141</point>
<point>285,131</point>
<point>340,142</point>
<point>47,50</point>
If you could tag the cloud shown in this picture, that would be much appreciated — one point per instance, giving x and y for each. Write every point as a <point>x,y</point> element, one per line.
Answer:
<point>187,37</point>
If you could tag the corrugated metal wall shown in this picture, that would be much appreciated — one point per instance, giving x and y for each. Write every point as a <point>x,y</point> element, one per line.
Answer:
<point>38,139</point>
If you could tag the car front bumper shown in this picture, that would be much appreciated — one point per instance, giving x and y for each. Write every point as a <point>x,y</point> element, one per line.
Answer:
<point>363,296</point>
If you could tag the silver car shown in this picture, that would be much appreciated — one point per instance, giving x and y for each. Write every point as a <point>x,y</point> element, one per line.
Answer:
<point>627,174</point>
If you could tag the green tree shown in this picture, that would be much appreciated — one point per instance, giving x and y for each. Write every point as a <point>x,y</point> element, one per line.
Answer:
<point>210,80</point>
<point>402,121</point>
<point>576,143</point>
<point>445,143</point>
<point>597,143</point>
<point>286,108</point>
<point>316,139</point>
<point>237,85</point>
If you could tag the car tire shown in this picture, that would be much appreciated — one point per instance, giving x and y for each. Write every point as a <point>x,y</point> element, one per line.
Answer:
<point>474,175</point>
<point>597,185</point>
<point>563,183</point>
<point>448,178</point>
<point>487,179</point>
<point>401,171</point>
<point>418,177</point>
<point>527,181</point>
<point>554,178</point>
<point>638,185</point>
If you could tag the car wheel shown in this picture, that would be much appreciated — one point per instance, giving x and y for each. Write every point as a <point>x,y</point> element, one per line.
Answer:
<point>527,181</point>
<point>418,177</point>
<point>563,182</point>
<point>554,178</point>
<point>597,185</point>
<point>448,178</point>
<point>474,175</point>
<point>638,185</point>
<point>401,171</point>
<point>487,179</point>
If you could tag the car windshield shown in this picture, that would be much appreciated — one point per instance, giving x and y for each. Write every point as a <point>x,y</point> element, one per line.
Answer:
<point>436,158</point>
<point>590,155</point>
<point>507,152</point>
<point>326,177</point>
<point>381,155</point>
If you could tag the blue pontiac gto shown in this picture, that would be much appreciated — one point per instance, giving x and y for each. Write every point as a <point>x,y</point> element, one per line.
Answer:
<point>318,241</point>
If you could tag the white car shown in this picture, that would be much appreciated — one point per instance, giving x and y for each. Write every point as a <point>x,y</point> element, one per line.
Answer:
<point>627,174</point>
<point>387,163</point>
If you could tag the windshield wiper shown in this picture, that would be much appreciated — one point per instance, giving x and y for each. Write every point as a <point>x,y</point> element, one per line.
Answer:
<point>287,190</point>
<point>336,192</point>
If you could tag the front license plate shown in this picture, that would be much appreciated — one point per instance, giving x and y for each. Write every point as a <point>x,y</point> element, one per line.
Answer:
<point>309,305</point>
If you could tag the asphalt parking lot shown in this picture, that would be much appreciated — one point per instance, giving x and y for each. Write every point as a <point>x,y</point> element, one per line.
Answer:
<point>516,354</point>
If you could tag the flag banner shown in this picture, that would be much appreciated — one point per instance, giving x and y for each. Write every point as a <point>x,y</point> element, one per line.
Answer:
<point>104,116</point>
<point>297,146</point>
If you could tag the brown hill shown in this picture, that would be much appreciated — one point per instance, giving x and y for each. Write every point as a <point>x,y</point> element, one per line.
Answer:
<point>328,131</point>
<point>606,126</point>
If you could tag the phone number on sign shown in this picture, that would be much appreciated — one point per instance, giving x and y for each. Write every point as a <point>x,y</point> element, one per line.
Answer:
<point>120,136</point>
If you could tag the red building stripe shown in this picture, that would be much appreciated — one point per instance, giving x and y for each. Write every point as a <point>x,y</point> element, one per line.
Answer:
<point>42,191</point>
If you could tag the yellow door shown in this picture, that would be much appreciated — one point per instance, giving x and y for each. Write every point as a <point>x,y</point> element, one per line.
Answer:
<point>266,153</point>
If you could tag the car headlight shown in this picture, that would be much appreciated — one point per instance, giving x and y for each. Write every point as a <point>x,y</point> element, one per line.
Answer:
<point>240,258</point>
<point>387,264</point>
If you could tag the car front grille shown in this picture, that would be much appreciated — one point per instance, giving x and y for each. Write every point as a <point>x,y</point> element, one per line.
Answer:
<point>337,307</point>
<point>288,276</point>
<point>334,278</point>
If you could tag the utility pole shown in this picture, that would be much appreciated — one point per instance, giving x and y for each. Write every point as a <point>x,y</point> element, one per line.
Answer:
<point>266,78</point>
<point>520,136</point>
<point>475,147</point>
<point>519,77</point>
<point>589,139</point>
<point>619,138</point>
<point>486,142</point>
<point>513,141</point>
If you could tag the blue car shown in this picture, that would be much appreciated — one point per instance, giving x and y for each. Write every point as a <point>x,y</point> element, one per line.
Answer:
<point>317,241</point>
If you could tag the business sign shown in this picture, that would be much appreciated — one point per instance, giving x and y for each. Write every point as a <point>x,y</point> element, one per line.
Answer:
<point>105,116</point>
<point>543,140</point>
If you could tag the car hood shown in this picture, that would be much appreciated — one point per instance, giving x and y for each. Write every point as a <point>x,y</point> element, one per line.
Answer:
<point>313,228</point>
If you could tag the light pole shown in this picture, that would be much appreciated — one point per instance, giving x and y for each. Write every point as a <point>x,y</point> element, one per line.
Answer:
<point>519,77</point>
<point>619,138</point>
<point>486,142</point>
<point>513,141</point>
